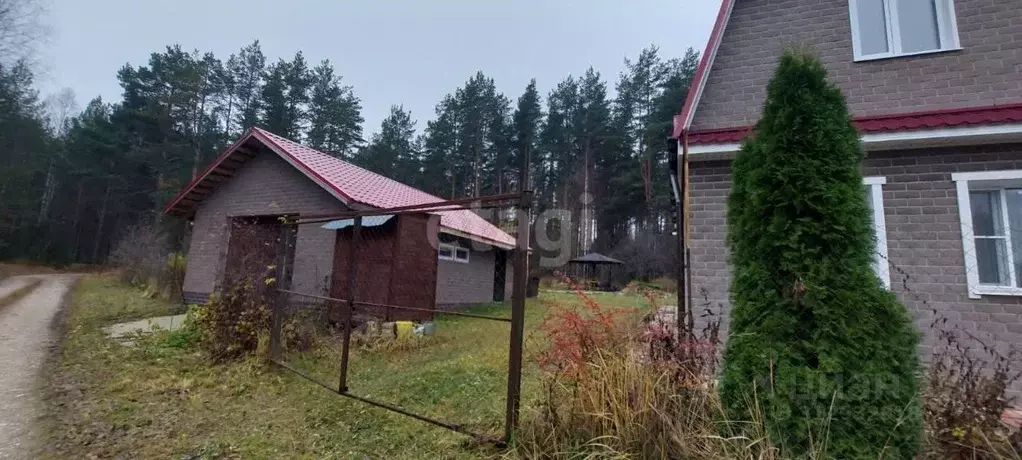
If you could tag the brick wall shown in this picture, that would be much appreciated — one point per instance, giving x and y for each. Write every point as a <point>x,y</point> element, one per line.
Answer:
<point>461,283</point>
<point>266,185</point>
<point>984,72</point>
<point>923,235</point>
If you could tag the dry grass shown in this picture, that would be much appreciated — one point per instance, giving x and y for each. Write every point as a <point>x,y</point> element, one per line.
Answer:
<point>8,270</point>
<point>162,399</point>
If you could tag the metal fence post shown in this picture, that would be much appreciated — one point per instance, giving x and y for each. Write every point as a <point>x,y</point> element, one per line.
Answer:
<point>279,296</point>
<point>514,375</point>
<point>356,236</point>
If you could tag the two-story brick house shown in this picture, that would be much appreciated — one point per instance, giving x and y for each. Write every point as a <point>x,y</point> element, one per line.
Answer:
<point>935,87</point>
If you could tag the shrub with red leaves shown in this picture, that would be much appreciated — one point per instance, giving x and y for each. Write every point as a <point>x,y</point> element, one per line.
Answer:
<point>579,332</point>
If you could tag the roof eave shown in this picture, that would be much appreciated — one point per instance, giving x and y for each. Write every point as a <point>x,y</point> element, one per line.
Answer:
<point>480,239</point>
<point>684,119</point>
<point>977,134</point>
<point>171,206</point>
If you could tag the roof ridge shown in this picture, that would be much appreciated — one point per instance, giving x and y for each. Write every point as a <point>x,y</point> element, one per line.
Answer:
<point>328,157</point>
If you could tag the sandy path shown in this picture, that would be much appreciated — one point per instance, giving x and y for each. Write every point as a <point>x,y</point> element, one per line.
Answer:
<point>8,286</point>
<point>25,337</point>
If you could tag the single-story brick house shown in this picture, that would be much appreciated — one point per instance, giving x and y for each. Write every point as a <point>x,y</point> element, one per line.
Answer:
<point>444,258</point>
<point>934,88</point>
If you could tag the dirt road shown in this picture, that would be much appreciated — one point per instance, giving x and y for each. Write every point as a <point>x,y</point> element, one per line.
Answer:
<point>25,336</point>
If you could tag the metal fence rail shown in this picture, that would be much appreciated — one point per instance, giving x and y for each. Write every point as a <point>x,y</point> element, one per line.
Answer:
<point>356,290</point>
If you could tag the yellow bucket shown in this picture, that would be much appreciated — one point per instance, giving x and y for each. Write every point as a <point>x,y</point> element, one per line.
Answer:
<point>403,329</point>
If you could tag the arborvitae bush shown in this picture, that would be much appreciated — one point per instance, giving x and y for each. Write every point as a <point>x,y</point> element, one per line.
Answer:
<point>825,354</point>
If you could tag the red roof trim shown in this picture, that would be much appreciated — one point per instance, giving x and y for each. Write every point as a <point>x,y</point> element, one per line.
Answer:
<point>908,121</point>
<point>715,136</point>
<point>703,71</point>
<point>205,172</point>
<point>954,111</point>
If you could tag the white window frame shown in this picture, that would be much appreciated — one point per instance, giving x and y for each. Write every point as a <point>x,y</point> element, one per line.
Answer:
<point>882,265</point>
<point>458,253</point>
<point>989,178</point>
<point>947,30</point>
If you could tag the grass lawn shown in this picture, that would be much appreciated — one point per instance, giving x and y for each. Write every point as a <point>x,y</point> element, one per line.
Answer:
<point>163,400</point>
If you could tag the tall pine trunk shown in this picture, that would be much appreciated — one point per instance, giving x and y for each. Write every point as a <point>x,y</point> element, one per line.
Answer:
<point>475,171</point>
<point>47,198</point>
<point>74,223</point>
<point>99,227</point>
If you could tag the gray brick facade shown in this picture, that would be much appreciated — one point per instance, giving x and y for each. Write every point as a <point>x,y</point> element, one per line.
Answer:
<point>985,72</point>
<point>463,283</point>
<point>923,234</point>
<point>264,186</point>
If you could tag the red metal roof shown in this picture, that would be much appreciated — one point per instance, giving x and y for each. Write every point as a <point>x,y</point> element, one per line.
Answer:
<point>948,118</point>
<point>933,119</point>
<point>351,183</point>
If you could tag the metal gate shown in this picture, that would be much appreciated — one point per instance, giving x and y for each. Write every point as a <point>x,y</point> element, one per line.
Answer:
<point>381,273</point>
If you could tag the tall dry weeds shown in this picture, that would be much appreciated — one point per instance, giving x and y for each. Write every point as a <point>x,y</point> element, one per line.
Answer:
<point>645,393</point>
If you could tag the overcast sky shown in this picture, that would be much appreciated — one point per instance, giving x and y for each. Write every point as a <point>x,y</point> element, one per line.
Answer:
<point>409,52</point>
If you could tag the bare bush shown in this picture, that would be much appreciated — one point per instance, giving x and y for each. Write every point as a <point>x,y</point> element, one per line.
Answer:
<point>145,259</point>
<point>649,256</point>
<point>966,398</point>
<point>234,321</point>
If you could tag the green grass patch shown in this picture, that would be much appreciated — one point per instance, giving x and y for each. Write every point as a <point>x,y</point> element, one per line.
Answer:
<point>162,398</point>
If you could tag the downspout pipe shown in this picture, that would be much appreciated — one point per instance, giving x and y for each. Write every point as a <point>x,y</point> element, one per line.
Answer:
<point>678,162</point>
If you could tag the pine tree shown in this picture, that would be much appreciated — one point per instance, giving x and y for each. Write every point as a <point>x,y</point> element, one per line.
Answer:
<point>439,148</point>
<point>247,72</point>
<point>556,143</point>
<point>335,119</point>
<point>828,353</point>
<point>274,101</point>
<point>392,152</point>
<point>298,80</point>
<point>591,132</point>
<point>226,99</point>
<point>525,130</point>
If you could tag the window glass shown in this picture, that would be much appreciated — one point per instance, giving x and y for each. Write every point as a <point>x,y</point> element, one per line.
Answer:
<point>917,24</point>
<point>872,27</point>
<point>986,214</point>
<point>991,246</point>
<point>446,252</point>
<point>1013,198</point>
<point>991,256</point>
<point>461,254</point>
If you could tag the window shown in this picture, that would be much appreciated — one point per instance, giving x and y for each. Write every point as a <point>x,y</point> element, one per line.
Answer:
<point>452,253</point>
<point>875,198</point>
<point>889,28</point>
<point>990,211</point>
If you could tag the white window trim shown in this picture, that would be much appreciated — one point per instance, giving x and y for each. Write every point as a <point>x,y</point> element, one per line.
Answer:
<point>976,290</point>
<point>883,266</point>
<point>455,251</point>
<point>947,29</point>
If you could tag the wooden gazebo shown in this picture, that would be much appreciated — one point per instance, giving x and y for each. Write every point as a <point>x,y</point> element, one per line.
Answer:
<point>594,271</point>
